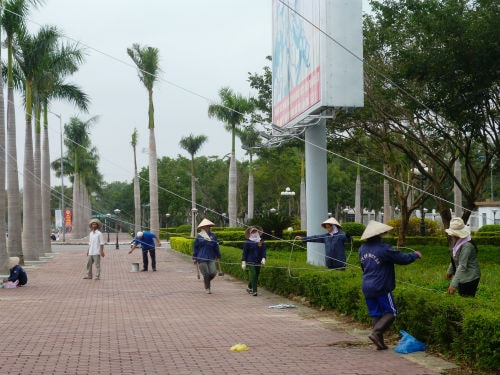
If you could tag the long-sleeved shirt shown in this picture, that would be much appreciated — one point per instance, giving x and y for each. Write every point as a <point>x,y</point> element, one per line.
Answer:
<point>377,262</point>
<point>464,265</point>
<point>204,249</point>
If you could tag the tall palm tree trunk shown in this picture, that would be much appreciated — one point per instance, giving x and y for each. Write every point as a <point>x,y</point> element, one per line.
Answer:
<point>28,237</point>
<point>3,245</point>
<point>232,191</point>
<point>153,185</point>
<point>37,186</point>
<point>46,213</point>
<point>193,200</point>
<point>76,205</point>
<point>14,241</point>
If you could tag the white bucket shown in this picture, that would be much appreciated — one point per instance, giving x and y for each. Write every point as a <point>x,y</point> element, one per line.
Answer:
<point>135,267</point>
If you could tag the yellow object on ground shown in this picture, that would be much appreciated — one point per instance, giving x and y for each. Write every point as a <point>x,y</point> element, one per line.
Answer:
<point>239,348</point>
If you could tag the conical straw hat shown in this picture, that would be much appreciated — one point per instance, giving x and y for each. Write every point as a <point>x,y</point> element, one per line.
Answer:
<point>331,221</point>
<point>205,223</point>
<point>13,261</point>
<point>375,228</point>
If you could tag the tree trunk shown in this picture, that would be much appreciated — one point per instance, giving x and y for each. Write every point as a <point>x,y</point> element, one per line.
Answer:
<point>3,245</point>
<point>14,242</point>
<point>37,190</point>
<point>232,202</point>
<point>137,202</point>
<point>46,213</point>
<point>153,185</point>
<point>457,193</point>
<point>387,198</point>
<point>28,236</point>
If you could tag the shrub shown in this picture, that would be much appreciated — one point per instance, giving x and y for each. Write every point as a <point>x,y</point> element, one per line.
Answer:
<point>354,229</point>
<point>432,227</point>
<point>490,228</point>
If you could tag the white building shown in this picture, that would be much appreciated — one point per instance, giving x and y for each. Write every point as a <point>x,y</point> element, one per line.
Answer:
<point>488,212</point>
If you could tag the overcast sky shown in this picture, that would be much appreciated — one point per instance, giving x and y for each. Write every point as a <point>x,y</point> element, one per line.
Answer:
<point>204,45</point>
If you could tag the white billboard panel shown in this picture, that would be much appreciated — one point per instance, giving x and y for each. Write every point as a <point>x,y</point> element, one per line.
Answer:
<point>317,57</point>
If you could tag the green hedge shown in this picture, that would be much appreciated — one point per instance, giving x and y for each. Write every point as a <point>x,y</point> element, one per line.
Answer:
<point>467,329</point>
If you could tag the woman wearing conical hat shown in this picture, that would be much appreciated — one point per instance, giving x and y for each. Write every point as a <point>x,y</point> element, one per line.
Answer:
<point>205,252</point>
<point>377,262</point>
<point>334,240</point>
<point>463,271</point>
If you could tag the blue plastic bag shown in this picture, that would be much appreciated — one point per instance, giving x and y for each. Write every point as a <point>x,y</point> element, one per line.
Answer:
<point>408,344</point>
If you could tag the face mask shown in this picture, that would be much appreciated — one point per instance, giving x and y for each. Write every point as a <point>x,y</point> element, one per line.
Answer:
<point>254,237</point>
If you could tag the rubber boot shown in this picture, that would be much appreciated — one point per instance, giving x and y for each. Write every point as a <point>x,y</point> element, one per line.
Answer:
<point>381,325</point>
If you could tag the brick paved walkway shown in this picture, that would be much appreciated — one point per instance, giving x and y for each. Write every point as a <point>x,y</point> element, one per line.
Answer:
<point>164,323</point>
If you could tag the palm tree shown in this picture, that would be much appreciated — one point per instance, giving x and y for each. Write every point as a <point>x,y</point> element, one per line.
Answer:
<point>147,61</point>
<point>81,164</point>
<point>192,144</point>
<point>63,61</point>
<point>231,110</point>
<point>30,54</point>
<point>137,189</point>
<point>250,140</point>
<point>14,13</point>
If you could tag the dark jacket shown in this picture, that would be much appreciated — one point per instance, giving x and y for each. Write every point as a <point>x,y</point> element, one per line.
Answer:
<point>253,252</point>
<point>205,250</point>
<point>377,262</point>
<point>18,273</point>
<point>334,248</point>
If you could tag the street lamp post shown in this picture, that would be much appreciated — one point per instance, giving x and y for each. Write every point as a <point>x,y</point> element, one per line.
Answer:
<point>117,212</point>
<point>288,193</point>
<point>107,224</point>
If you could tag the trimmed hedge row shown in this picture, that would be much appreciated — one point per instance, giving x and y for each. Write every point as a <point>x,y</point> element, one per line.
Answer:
<point>456,327</point>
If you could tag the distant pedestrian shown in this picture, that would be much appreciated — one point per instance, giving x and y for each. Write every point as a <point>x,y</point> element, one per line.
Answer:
<point>206,251</point>
<point>334,241</point>
<point>147,241</point>
<point>254,256</point>
<point>463,271</point>
<point>377,262</point>
<point>17,274</point>
<point>96,249</point>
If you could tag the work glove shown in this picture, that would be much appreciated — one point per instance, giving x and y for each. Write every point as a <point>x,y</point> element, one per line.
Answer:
<point>243,265</point>
<point>263,261</point>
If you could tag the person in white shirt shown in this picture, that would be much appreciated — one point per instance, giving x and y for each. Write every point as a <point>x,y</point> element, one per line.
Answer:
<point>96,249</point>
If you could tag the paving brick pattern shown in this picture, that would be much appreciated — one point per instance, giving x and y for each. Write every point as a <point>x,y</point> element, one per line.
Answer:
<point>164,323</point>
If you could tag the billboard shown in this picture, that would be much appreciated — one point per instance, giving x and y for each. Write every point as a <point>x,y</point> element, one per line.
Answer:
<point>317,57</point>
